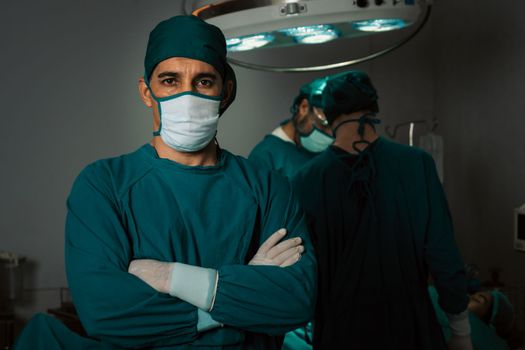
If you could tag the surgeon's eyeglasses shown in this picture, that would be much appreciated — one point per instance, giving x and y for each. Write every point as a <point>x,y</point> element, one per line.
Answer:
<point>319,117</point>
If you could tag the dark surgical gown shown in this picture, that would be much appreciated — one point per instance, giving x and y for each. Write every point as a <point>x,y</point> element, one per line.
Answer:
<point>141,207</point>
<point>279,155</point>
<point>380,223</point>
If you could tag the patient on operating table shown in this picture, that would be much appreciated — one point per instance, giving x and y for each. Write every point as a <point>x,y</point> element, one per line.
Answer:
<point>492,319</point>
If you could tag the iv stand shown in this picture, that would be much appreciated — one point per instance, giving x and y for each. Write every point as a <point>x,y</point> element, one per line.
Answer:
<point>411,124</point>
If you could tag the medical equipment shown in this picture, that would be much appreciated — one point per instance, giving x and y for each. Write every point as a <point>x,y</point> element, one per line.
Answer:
<point>11,289</point>
<point>392,131</point>
<point>11,276</point>
<point>519,228</point>
<point>256,24</point>
<point>430,142</point>
<point>433,144</point>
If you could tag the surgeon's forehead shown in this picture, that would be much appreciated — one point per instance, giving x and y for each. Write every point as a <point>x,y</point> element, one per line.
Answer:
<point>183,65</point>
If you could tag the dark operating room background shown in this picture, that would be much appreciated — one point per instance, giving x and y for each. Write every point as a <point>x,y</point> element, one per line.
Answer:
<point>69,71</point>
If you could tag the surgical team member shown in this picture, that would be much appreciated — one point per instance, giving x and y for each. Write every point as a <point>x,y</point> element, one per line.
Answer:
<point>176,245</point>
<point>299,139</point>
<point>380,224</point>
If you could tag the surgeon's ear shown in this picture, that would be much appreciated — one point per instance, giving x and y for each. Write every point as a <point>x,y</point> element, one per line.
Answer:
<point>303,109</point>
<point>145,93</point>
<point>227,93</point>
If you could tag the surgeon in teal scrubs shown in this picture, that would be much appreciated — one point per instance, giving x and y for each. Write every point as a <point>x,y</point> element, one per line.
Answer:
<point>298,139</point>
<point>181,244</point>
<point>380,226</point>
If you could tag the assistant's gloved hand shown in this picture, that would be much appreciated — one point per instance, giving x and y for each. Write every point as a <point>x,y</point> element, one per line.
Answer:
<point>283,254</point>
<point>457,342</point>
<point>193,284</point>
<point>460,328</point>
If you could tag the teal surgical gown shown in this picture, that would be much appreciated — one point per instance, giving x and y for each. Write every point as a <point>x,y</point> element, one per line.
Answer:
<point>380,223</point>
<point>483,336</point>
<point>279,155</point>
<point>139,206</point>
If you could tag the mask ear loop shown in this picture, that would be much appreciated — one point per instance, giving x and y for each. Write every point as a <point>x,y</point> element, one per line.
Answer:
<point>363,170</point>
<point>222,95</point>
<point>218,147</point>
<point>367,118</point>
<point>147,82</point>
<point>157,133</point>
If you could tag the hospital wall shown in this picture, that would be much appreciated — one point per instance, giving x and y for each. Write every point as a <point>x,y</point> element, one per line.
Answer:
<point>69,97</point>
<point>478,70</point>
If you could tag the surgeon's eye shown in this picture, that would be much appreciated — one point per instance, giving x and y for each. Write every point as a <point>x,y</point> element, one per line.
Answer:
<point>169,82</point>
<point>206,83</point>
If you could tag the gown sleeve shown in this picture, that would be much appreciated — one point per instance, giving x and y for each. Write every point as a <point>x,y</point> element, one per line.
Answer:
<point>113,305</point>
<point>270,299</point>
<point>441,253</point>
<point>261,157</point>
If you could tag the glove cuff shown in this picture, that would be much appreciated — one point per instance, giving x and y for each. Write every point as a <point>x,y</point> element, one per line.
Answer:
<point>459,324</point>
<point>206,322</point>
<point>193,284</point>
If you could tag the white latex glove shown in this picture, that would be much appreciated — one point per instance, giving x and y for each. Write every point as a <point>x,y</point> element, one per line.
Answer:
<point>457,342</point>
<point>460,328</point>
<point>193,284</point>
<point>190,285</point>
<point>283,254</point>
<point>155,273</point>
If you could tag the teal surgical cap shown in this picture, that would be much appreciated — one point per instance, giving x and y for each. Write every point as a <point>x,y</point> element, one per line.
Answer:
<point>348,92</point>
<point>189,37</point>
<point>502,316</point>
<point>312,92</point>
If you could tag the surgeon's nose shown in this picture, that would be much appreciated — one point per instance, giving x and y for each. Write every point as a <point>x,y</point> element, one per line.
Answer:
<point>187,86</point>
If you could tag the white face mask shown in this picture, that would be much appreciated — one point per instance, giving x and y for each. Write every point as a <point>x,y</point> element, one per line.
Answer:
<point>188,121</point>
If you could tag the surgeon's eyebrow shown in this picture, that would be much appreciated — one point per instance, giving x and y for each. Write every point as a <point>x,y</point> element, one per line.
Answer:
<point>176,75</point>
<point>168,74</point>
<point>211,76</point>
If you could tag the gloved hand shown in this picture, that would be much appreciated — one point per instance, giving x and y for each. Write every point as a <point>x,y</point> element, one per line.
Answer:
<point>457,342</point>
<point>193,284</point>
<point>155,273</point>
<point>460,328</point>
<point>283,254</point>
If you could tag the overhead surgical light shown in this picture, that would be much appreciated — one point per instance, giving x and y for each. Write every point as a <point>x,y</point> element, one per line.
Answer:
<point>316,34</point>
<point>265,24</point>
<point>249,42</point>
<point>379,25</point>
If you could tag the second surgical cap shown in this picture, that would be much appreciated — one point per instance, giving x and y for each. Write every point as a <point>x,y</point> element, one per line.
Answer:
<point>348,92</point>
<point>312,92</point>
